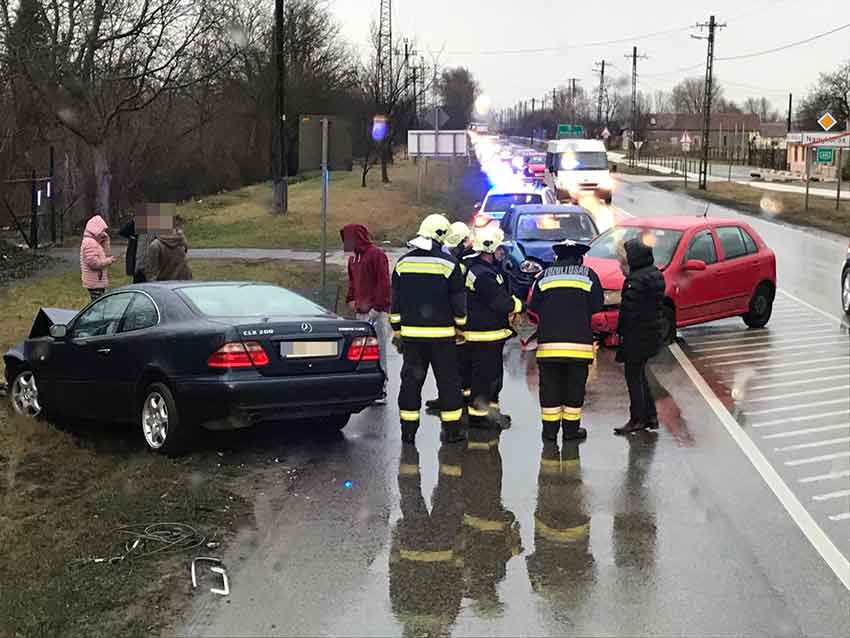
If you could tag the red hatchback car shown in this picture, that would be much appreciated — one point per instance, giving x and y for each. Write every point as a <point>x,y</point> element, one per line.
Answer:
<point>714,268</point>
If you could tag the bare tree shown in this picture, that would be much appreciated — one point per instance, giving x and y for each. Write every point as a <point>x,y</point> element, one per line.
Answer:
<point>688,95</point>
<point>103,60</point>
<point>762,107</point>
<point>832,93</point>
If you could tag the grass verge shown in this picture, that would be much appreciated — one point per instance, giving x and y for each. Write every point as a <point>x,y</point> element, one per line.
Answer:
<point>773,205</point>
<point>65,491</point>
<point>242,219</point>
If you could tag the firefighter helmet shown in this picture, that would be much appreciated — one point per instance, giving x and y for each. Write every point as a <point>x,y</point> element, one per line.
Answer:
<point>487,239</point>
<point>434,227</point>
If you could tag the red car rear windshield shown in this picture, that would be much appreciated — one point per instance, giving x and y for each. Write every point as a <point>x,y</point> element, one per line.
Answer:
<point>664,242</point>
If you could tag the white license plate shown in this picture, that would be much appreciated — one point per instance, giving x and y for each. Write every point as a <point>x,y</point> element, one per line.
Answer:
<point>308,349</point>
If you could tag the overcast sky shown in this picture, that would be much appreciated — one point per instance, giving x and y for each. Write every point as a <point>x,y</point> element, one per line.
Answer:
<point>469,31</point>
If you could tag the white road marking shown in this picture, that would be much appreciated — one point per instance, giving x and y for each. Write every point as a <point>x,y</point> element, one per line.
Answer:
<point>788,408</point>
<point>798,419</point>
<point>818,459</point>
<point>794,373</point>
<point>796,364</point>
<point>840,517</point>
<point>800,394</point>
<point>797,382</point>
<point>831,495</point>
<point>823,428</point>
<point>804,446</point>
<point>747,335</point>
<point>776,365</point>
<point>833,318</point>
<point>825,477</point>
<point>775,340</point>
<point>819,540</point>
<point>806,346</point>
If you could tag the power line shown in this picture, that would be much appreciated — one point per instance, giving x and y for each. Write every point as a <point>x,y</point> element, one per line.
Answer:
<point>583,45</point>
<point>786,46</point>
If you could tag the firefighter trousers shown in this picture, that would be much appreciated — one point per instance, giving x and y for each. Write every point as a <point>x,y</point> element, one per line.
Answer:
<point>562,388</point>
<point>442,356</point>
<point>486,371</point>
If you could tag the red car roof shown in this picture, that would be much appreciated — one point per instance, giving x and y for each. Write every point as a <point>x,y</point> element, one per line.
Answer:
<point>679,222</point>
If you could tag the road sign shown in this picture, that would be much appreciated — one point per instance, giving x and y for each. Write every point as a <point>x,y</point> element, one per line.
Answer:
<point>606,133</point>
<point>826,121</point>
<point>570,131</point>
<point>429,143</point>
<point>826,140</point>
<point>686,138</point>
<point>442,116</point>
<point>638,145</point>
<point>825,155</point>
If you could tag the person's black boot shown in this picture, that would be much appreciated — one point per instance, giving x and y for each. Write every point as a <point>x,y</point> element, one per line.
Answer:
<point>574,432</point>
<point>452,434</point>
<point>502,421</point>
<point>550,431</point>
<point>408,432</point>
<point>631,426</point>
<point>432,406</point>
<point>652,423</point>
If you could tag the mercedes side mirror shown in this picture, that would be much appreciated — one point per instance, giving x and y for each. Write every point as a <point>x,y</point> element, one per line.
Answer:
<point>613,168</point>
<point>58,331</point>
<point>695,265</point>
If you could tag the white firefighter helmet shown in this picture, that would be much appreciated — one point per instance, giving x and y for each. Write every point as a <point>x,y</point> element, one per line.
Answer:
<point>458,232</point>
<point>487,239</point>
<point>434,227</point>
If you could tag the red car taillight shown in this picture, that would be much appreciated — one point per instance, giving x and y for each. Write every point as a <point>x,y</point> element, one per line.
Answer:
<point>364,349</point>
<point>238,355</point>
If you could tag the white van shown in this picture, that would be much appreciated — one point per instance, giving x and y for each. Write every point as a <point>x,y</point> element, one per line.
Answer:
<point>576,167</point>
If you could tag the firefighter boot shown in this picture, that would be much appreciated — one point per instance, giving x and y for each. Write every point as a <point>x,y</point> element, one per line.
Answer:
<point>550,430</point>
<point>573,431</point>
<point>408,432</point>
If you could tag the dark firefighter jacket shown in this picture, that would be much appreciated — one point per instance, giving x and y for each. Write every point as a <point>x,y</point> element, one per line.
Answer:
<point>640,322</point>
<point>425,562</point>
<point>428,296</point>
<point>489,302</point>
<point>564,298</point>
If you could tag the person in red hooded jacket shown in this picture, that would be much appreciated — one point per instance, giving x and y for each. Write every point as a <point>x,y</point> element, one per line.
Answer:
<point>368,285</point>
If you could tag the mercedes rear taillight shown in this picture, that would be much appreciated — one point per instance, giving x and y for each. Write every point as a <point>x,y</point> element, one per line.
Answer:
<point>238,355</point>
<point>364,349</point>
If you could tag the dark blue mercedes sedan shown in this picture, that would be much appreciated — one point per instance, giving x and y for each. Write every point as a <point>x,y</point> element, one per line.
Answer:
<point>171,357</point>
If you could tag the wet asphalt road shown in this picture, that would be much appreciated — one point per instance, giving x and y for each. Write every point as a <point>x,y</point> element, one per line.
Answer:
<point>673,533</point>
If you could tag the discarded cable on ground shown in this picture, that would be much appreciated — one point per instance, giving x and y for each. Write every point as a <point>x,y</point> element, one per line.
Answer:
<point>155,538</point>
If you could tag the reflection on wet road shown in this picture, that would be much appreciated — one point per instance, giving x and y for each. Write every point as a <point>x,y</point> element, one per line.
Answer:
<point>649,535</point>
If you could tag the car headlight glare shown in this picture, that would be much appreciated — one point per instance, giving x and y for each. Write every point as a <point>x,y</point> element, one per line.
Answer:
<point>612,297</point>
<point>606,183</point>
<point>530,267</point>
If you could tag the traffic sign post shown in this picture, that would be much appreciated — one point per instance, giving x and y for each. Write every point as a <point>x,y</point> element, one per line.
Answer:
<point>827,121</point>
<point>825,155</point>
<point>568,131</point>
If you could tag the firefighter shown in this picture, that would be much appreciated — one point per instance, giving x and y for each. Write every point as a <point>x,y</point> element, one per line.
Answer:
<point>428,309</point>
<point>458,244</point>
<point>425,565</point>
<point>490,309</point>
<point>491,533</point>
<point>562,567</point>
<point>563,299</point>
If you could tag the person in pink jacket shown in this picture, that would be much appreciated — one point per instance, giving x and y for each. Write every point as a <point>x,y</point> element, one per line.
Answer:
<point>95,257</point>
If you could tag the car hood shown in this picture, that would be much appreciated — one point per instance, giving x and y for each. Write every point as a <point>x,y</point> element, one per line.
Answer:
<point>540,250</point>
<point>47,317</point>
<point>608,270</point>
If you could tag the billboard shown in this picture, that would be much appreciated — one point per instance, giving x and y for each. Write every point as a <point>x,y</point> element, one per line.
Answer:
<point>340,154</point>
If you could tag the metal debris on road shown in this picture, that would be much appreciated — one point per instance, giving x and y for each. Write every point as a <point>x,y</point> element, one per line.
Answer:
<point>225,590</point>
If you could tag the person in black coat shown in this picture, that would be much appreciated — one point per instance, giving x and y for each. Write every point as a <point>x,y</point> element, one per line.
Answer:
<point>639,328</point>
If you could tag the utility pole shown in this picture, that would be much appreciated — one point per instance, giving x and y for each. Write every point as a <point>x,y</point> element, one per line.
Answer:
<point>385,47</point>
<point>280,168</point>
<point>572,82</point>
<point>601,96</point>
<point>707,96</point>
<point>790,101</point>
<point>634,56</point>
<point>553,100</point>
